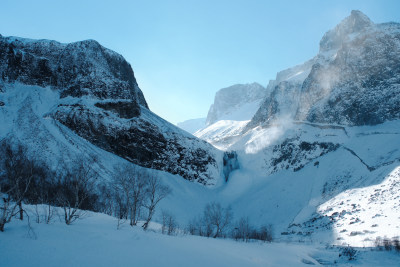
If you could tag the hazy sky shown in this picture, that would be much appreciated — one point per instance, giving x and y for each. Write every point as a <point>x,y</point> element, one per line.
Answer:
<point>182,52</point>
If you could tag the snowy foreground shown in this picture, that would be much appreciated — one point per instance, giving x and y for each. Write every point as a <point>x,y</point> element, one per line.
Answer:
<point>95,241</point>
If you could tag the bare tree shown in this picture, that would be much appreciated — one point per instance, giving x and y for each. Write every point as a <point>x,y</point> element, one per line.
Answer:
<point>18,172</point>
<point>169,224</point>
<point>129,186</point>
<point>76,186</point>
<point>217,219</point>
<point>242,229</point>
<point>155,192</point>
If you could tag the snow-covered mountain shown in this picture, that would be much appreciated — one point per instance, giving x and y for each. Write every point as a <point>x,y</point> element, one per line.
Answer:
<point>232,109</point>
<point>193,125</point>
<point>49,89</point>
<point>321,155</point>
<point>354,79</point>
<point>237,102</point>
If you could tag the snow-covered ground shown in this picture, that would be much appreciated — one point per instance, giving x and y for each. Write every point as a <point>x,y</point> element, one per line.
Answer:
<point>96,241</point>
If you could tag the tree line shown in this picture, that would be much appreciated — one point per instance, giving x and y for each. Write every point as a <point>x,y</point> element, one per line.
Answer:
<point>218,222</point>
<point>132,193</point>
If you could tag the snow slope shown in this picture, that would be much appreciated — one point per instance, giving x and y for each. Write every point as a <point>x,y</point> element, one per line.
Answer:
<point>95,241</point>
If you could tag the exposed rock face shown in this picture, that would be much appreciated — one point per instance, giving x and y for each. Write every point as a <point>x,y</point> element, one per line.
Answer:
<point>77,69</point>
<point>354,80</point>
<point>283,95</point>
<point>102,103</point>
<point>140,141</point>
<point>294,154</point>
<point>124,109</point>
<point>237,102</point>
<point>361,84</point>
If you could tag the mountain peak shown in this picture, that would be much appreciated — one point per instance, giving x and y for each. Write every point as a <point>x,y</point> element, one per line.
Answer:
<point>229,101</point>
<point>355,23</point>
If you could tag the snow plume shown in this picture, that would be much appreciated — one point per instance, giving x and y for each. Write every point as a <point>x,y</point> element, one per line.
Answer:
<point>318,86</point>
<point>260,137</point>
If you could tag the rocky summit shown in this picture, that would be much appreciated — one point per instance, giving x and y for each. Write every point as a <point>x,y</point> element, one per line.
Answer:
<point>354,79</point>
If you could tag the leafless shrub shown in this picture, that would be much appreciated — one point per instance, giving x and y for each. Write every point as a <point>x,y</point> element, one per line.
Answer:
<point>242,230</point>
<point>169,224</point>
<point>155,192</point>
<point>18,172</point>
<point>76,189</point>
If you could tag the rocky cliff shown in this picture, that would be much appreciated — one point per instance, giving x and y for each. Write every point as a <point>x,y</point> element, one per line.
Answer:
<point>100,100</point>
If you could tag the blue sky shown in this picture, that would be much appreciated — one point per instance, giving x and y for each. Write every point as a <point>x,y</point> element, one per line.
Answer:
<point>182,52</point>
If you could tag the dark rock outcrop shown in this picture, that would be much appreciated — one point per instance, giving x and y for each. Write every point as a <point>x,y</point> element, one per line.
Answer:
<point>293,154</point>
<point>77,69</point>
<point>140,142</point>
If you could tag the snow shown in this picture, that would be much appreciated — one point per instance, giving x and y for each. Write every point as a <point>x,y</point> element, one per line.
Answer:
<point>95,240</point>
<point>222,133</point>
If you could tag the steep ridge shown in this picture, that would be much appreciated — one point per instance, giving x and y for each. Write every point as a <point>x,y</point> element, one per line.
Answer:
<point>232,109</point>
<point>98,98</point>
<point>236,102</point>
<point>354,79</point>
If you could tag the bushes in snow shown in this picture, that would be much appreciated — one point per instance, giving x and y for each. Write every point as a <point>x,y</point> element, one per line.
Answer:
<point>132,194</point>
<point>169,224</point>
<point>19,173</point>
<point>244,231</point>
<point>387,244</point>
<point>214,222</point>
<point>135,193</point>
<point>348,252</point>
<point>217,222</point>
<point>76,189</point>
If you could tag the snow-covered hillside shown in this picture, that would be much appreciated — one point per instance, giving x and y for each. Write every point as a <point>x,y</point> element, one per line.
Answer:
<point>93,92</point>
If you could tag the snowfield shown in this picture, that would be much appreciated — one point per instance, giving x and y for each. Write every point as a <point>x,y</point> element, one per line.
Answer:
<point>96,241</point>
